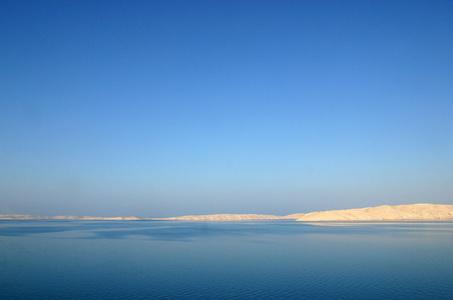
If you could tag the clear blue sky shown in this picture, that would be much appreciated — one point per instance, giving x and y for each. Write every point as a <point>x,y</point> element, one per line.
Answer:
<point>165,108</point>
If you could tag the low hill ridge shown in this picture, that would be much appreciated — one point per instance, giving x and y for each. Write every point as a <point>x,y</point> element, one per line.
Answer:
<point>379,213</point>
<point>385,212</point>
<point>225,217</point>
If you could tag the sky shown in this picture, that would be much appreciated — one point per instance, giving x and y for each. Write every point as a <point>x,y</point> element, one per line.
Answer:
<point>167,108</point>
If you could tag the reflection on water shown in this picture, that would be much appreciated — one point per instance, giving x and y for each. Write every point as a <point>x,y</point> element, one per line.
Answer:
<point>225,260</point>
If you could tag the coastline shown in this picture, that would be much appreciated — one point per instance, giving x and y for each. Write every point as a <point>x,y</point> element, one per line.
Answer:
<point>412,212</point>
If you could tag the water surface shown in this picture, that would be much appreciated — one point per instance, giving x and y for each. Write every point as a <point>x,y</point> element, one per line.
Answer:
<point>49,259</point>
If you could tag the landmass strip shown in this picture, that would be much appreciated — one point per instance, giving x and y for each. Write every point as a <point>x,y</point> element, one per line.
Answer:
<point>385,213</point>
<point>379,213</point>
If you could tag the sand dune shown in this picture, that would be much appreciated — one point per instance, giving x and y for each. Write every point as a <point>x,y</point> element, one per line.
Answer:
<point>225,217</point>
<point>294,216</point>
<point>385,212</point>
<point>234,217</point>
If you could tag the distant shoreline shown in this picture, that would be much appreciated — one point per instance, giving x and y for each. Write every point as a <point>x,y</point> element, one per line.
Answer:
<point>216,217</point>
<point>413,212</point>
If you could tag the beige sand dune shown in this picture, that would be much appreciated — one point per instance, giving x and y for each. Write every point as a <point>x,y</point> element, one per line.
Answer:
<point>294,216</point>
<point>385,212</point>
<point>225,217</point>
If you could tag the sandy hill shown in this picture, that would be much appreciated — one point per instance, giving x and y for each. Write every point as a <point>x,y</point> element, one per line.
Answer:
<point>225,217</point>
<point>294,216</point>
<point>385,212</point>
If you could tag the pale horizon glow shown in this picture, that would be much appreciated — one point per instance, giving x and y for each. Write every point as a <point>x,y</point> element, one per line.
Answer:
<point>170,108</point>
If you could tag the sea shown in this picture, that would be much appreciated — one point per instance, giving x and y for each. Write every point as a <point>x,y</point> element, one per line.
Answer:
<point>277,259</point>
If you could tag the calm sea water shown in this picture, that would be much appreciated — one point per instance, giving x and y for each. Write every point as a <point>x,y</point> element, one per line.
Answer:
<point>224,260</point>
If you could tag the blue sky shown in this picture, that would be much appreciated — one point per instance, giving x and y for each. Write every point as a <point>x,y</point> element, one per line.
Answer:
<point>165,108</point>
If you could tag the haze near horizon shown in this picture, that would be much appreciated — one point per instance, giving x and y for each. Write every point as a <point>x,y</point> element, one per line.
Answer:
<point>162,109</point>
